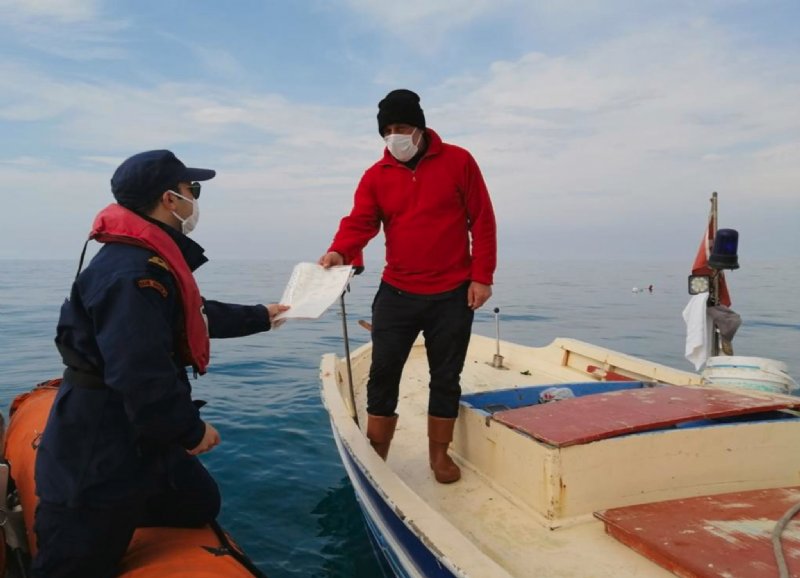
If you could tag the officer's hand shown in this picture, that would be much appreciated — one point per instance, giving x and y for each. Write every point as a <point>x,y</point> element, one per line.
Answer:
<point>478,294</point>
<point>273,309</point>
<point>210,441</point>
<point>331,259</point>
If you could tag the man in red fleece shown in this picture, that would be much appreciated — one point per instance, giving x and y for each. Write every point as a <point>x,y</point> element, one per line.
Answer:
<point>441,248</point>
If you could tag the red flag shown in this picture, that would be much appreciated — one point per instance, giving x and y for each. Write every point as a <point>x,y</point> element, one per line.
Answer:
<point>700,266</point>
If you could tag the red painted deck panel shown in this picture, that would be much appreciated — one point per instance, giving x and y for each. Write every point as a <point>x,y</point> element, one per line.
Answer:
<point>607,374</point>
<point>605,415</point>
<point>723,536</point>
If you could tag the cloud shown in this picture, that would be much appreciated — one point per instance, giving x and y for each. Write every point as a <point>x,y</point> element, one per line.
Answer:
<point>421,27</point>
<point>664,100</point>
<point>611,139</point>
<point>281,161</point>
<point>401,17</point>
<point>65,29</point>
<point>23,161</point>
<point>61,11</point>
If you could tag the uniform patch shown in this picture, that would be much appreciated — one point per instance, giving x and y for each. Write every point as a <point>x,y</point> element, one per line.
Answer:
<point>156,260</point>
<point>152,284</point>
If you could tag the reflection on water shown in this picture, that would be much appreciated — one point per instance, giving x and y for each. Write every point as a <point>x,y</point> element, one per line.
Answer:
<point>347,550</point>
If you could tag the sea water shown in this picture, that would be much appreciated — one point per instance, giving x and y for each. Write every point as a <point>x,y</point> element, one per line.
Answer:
<point>286,498</point>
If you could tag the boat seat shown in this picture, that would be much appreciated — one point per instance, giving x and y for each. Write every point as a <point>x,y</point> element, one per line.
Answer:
<point>626,411</point>
<point>731,531</point>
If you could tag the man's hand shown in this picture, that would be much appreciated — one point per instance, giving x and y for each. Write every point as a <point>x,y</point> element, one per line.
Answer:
<point>331,259</point>
<point>273,309</point>
<point>210,441</point>
<point>478,294</point>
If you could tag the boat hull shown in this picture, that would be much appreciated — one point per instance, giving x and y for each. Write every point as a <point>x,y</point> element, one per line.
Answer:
<point>206,552</point>
<point>403,548</point>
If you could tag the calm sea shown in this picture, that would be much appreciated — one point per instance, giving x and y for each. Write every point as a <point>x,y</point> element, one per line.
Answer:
<point>286,497</point>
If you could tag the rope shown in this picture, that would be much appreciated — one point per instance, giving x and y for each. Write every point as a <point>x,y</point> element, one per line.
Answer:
<point>235,552</point>
<point>83,255</point>
<point>783,571</point>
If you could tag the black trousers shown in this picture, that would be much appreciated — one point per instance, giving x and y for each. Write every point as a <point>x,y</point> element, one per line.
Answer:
<point>445,321</point>
<point>90,542</point>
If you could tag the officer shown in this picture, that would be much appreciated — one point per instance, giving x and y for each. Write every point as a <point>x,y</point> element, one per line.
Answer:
<point>121,443</point>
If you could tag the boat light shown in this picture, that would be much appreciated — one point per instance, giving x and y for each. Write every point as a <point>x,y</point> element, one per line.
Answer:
<point>699,284</point>
<point>723,253</point>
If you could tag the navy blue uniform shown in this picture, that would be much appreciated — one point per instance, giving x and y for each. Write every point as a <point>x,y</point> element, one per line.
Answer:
<point>113,454</point>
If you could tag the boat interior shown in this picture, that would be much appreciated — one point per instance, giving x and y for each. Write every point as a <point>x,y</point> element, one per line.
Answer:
<point>537,478</point>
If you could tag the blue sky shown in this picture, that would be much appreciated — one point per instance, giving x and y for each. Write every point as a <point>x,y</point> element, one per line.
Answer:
<point>601,126</point>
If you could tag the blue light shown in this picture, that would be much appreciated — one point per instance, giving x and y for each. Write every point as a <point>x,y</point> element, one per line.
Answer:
<point>723,253</point>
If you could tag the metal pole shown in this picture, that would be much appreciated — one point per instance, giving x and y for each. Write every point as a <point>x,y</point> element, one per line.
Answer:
<point>347,359</point>
<point>497,360</point>
<point>715,337</point>
<point>497,329</point>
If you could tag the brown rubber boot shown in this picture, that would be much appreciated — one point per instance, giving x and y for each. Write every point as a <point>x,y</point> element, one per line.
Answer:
<point>380,431</point>
<point>440,434</point>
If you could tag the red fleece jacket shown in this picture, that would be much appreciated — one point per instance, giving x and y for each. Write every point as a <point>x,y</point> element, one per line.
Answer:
<point>438,220</point>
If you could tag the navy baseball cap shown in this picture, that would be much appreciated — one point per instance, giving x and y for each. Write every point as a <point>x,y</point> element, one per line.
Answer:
<point>143,177</point>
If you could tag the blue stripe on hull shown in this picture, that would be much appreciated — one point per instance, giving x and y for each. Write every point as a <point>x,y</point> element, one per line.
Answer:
<point>424,561</point>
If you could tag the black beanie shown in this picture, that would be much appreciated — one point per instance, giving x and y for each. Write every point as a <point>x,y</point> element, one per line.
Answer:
<point>400,106</point>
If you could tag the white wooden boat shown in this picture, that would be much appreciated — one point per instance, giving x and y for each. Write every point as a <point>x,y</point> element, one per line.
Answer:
<point>641,471</point>
<point>646,472</point>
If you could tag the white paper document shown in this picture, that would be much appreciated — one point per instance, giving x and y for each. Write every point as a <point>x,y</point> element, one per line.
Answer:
<point>312,289</point>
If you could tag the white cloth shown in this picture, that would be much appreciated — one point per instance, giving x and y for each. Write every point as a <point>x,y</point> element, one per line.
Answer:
<point>698,330</point>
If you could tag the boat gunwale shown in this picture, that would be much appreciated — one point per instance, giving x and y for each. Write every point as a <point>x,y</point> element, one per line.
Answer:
<point>421,519</point>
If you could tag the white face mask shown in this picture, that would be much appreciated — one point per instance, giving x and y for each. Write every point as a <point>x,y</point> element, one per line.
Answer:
<point>402,146</point>
<point>189,223</point>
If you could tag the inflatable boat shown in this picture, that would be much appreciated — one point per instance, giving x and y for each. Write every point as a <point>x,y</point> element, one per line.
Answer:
<point>200,553</point>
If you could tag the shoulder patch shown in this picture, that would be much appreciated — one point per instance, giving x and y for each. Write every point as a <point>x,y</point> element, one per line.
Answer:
<point>152,284</point>
<point>156,260</point>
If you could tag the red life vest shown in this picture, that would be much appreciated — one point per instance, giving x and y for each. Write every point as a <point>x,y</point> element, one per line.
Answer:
<point>116,224</point>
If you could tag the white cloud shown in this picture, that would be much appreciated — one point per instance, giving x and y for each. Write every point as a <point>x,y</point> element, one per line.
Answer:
<point>23,161</point>
<point>663,101</point>
<point>106,161</point>
<point>420,27</point>
<point>400,18</point>
<point>613,139</point>
<point>64,11</point>
<point>66,29</point>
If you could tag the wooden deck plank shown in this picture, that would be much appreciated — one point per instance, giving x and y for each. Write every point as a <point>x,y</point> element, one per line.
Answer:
<point>727,535</point>
<point>611,414</point>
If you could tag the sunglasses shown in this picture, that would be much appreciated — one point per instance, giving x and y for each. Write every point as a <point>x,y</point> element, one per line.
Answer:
<point>195,189</point>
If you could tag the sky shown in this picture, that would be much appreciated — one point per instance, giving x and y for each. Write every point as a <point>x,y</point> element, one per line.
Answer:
<point>601,126</point>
